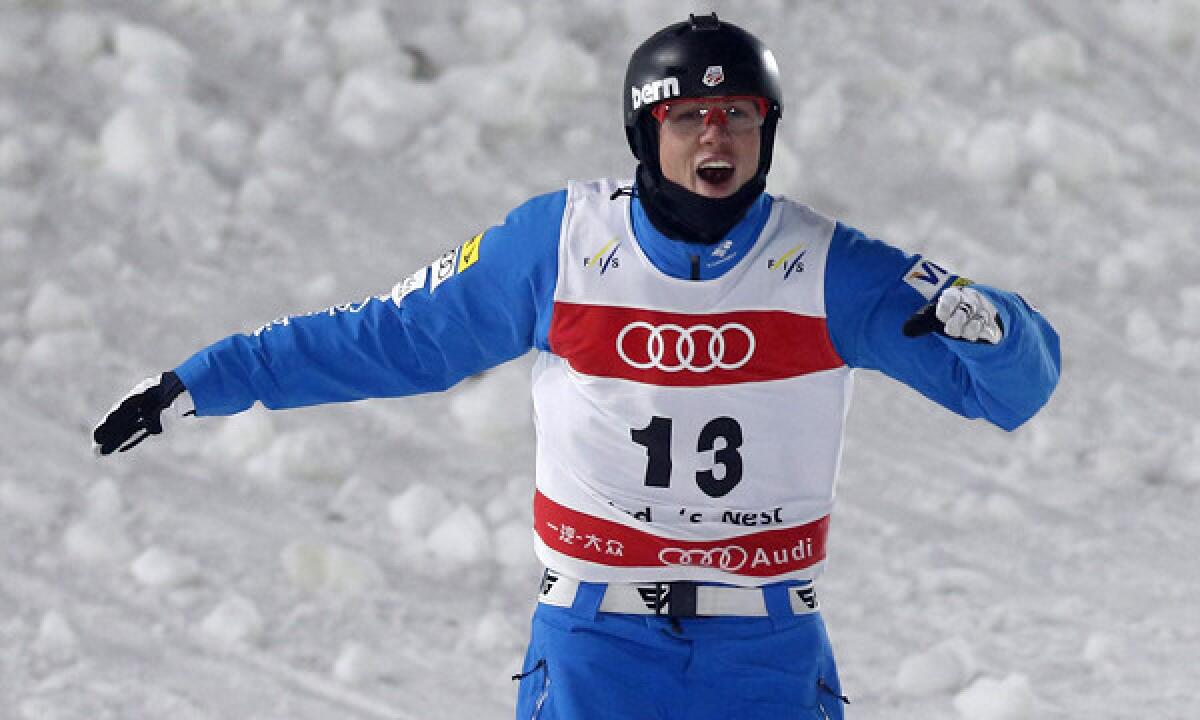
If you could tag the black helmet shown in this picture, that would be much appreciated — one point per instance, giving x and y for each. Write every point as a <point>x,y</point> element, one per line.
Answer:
<point>700,57</point>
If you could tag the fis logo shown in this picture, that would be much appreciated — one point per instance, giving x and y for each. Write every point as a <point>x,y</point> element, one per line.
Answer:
<point>606,258</point>
<point>791,262</point>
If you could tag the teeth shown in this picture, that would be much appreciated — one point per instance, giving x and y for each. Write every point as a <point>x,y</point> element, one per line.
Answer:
<point>716,164</point>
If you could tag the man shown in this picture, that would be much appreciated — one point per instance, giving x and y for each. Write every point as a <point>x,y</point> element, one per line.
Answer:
<point>696,341</point>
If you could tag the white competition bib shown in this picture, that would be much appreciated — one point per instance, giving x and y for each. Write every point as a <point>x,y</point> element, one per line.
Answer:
<point>687,430</point>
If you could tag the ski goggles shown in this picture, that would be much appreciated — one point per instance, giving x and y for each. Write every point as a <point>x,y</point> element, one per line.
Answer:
<point>690,116</point>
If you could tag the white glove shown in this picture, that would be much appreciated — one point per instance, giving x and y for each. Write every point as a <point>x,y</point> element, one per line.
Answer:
<point>967,314</point>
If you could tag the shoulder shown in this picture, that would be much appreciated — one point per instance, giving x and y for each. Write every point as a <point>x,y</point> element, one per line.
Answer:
<point>597,187</point>
<point>861,253</point>
<point>539,209</point>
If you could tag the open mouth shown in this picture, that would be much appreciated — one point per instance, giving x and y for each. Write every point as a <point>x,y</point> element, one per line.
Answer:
<point>715,172</point>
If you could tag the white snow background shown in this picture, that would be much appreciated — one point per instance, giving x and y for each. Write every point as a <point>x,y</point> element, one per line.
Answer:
<point>173,171</point>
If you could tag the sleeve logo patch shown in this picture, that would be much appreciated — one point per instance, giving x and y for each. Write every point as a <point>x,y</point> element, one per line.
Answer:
<point>926,277</point>
<point>409,285</point>
<point>455,261</point>
<point>469,253</point>
<point>443,269</point>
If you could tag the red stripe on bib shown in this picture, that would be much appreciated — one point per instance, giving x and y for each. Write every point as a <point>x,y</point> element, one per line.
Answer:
<point>690,350</point>
<point>762,554</point>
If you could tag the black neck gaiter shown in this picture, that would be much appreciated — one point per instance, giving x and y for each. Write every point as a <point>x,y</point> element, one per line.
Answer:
<point>683,215</point>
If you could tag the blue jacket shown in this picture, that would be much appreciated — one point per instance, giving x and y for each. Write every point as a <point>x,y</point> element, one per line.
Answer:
<point>497,306</point>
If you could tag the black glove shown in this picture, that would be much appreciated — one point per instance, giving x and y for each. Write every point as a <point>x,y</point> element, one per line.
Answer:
<point>138,415</point>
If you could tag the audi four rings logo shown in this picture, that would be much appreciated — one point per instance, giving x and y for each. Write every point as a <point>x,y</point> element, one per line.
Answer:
<point>713,354</point>
<point>730,558</point>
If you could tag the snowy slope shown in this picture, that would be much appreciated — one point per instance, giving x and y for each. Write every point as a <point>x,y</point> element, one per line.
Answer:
<point>174,171</point>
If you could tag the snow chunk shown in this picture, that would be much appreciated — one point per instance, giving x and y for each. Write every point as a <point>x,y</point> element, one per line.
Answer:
<point>226,141</point>
<point>357,663</point>
<point>415,511</point>
<point>494,27</point>
<point>513,544</point>
<point>361,37</point>
<point>301,455</point>
<point>255,195</point>
<point>1074,152</point>
<point>377,105</point>
<point>52,308</point>
<point>1101,650</point>
<point>1173,24</point>
<point>1189,310</point>
<point>75,37</point>
<point>1144,334</point>
<point>95,542</point>
<point>16,156</point>
<point>28,502</point>
<point>1183,463</point>
<point>551,65</point>
<point>13,240</point>
<point>236,620</point>
<point>159,568</point>
<point>140,142</point>
<point>994,153</point>
<point>820,116</point>
<point>16,57</point>
<point>141,43</point>
<point>460,539</point>
<point>640,15</point>
<point>941,669</point>
<point>98,537</point>
<point>305,51</point>
<point>1049,58</point>
<point>494,631</point>
<point>323,567</point>
<point>19,207</point>
<point>281,142</point>
<point>159,64</point>
<point>61,354</point>
<point>55,638</point>
<point>244,434</point>
<point>991,699</point>
<point>103,501</point>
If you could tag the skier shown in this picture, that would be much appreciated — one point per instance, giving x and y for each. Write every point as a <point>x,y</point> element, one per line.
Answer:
<point>697,339</point>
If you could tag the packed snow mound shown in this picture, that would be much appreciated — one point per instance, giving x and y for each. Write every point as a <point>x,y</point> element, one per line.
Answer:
<point>174,172</point>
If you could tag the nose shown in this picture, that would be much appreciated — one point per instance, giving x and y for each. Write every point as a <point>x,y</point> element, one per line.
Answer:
<point>716,126</point>
<point>716,116</point>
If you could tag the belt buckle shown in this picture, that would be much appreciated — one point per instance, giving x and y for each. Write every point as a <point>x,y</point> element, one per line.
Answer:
<point>673,599</point>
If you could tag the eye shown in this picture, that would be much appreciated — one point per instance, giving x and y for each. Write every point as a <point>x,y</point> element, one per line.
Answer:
<point>687,114</point>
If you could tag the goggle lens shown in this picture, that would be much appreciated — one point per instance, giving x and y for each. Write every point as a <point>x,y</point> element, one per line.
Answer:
<point>691,116</point>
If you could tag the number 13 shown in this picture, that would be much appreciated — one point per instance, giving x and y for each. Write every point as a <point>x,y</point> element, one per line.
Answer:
<point>656,438</point>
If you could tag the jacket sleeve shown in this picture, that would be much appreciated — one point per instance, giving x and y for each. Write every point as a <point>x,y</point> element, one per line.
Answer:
<point>473,308</point>
<point>872,288</point>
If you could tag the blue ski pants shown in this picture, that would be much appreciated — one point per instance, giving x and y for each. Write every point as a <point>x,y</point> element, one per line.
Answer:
<point>586,665</point>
